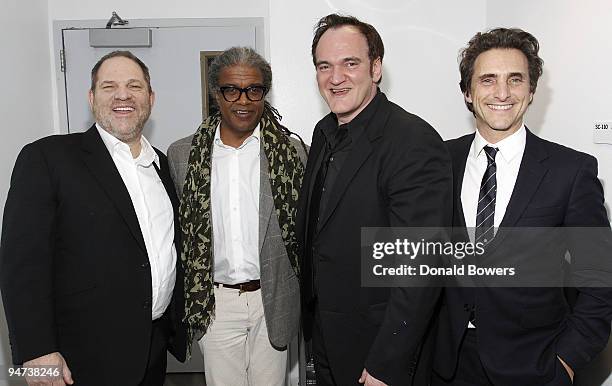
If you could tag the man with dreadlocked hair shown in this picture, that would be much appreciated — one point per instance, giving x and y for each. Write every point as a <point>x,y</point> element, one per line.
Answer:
<point>239,177</point>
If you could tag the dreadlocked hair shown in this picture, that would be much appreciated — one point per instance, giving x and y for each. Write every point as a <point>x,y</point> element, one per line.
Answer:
<point>273,115</point>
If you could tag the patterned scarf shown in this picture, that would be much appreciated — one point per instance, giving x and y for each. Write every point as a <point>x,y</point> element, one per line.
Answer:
<point>285,174</point>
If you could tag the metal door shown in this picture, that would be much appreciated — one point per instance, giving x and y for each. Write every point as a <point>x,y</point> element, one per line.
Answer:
<point>174,63</point>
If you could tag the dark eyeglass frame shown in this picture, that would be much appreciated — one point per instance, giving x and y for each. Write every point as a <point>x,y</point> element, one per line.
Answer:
<point>245,90</point>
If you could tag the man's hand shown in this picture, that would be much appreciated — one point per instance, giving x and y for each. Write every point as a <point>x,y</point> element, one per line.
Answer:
<point>569,370</point>
<point>55,360</point>
<point>369,380</point>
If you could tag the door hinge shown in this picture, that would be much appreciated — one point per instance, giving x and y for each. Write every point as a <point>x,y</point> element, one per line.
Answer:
<point>62,61</point>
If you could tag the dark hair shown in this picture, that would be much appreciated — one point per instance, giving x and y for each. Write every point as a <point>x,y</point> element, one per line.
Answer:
<point>505,38</point>
<point>238,56</point>
<point>123,54</point>
<point>376,48</point>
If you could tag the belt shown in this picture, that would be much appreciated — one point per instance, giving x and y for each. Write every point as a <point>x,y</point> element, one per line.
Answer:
<point>249,286</point>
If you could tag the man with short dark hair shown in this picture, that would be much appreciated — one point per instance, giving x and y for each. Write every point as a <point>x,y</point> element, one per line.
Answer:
<point>507,177</point>
<point>89,273</point>
<point>372,164</point>
<point>239,176</point>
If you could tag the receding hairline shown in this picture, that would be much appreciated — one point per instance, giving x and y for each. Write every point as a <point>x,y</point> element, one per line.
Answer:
<point>340,27</point>
<point>142,73</point>
<point>354,29</point>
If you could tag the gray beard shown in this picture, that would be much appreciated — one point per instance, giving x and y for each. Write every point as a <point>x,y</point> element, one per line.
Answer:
<point>130,135</point>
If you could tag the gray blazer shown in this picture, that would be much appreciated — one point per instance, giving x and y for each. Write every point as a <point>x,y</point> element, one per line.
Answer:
<point>279,284</point>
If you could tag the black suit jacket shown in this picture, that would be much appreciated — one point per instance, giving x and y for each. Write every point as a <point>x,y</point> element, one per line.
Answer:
<point>522,330</point>
<point>397,174</point>
<point>74,270</point>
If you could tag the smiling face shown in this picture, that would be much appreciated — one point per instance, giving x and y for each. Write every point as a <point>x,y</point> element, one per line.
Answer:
<point>239,118</point>
<point>499,92</point>
<point>346,77</point>
<point>121,101</point>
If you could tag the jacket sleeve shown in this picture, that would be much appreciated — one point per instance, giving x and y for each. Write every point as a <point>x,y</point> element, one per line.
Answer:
<point>26,257</point>
<point>587,329</point>
<point>419,195</point>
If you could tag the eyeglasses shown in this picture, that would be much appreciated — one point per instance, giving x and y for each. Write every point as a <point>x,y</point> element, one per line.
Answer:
<point>253,93</point>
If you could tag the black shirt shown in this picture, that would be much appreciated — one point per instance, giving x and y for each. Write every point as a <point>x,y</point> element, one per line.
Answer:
<point>339,152</point>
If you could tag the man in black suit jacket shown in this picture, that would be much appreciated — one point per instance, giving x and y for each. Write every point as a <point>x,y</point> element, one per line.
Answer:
<point>88,261</point>
<point>371,164</point>
<point>507,177</point>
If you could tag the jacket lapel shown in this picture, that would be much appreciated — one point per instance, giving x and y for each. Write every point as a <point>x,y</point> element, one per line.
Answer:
<point>164,175</point>
<point>357,156</point>
<point>316,150</point>
<point>530,175</point>
<point>266,200</point>
<point>312,165</point>
<point>459,153</point>
<point>102,168</point>
<point>459,150</point>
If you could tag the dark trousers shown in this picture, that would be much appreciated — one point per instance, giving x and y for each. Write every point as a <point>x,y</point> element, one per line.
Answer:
<point>321,363</point>
<point>471,372</point>
<point>156,366</point>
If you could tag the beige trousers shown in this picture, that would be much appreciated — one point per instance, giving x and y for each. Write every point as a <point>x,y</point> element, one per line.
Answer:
<point>236,348</point>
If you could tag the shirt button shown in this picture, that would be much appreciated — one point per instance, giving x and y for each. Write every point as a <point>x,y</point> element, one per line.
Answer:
<point>331,159</point>
<point>145,264</point>
<point>146,304</point>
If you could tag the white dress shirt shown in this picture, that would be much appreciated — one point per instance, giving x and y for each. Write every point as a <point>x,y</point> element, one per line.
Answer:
<point>508,162</point>
<point>154,211</point>
<point>235,209</point>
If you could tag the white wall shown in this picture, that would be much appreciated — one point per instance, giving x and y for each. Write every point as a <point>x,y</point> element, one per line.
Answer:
<point>421,38</point>
<point>576,88</point>
<point>25,72</point>
<point>25,105</point>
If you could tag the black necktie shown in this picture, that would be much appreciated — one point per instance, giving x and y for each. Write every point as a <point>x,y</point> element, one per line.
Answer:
<point>317,191</point>
<point>486,199</point>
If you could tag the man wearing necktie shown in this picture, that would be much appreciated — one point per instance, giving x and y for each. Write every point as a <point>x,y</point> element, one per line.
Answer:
<point>486,199</point>
<point>507,177</point>
<point>372,164</point>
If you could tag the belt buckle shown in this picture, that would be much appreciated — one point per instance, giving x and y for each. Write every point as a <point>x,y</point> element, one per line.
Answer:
<point>241,289</point>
